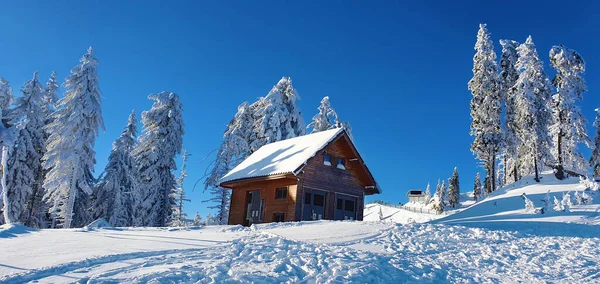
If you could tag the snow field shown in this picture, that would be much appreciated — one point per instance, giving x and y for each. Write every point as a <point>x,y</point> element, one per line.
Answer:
<point>309,252</point>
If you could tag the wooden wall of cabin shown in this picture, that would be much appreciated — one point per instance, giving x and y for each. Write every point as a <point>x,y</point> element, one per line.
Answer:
<point>317,175</point>
<point>237,209</point>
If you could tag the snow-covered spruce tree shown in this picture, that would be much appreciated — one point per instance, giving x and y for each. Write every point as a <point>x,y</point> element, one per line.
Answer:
<point>427,194</point>
<point>154,157</point>
<point>6,96</point>
<point>180,215</point>
<point>113,193</point>
<point>438,187</point>
<point>444,192</point>
<point>70,155</point>
<point>326,118</point>
<point>477,188</point>
<point>595,158</point>
<point>233,150</point>
<point>25,174</point>
<point>485,105</point>
<point>50,96</point>
<point>508,77</point>
<point>437,202</point>
<point>532,95</point>
<point>454,189</point>
<point>197,220</point>
<point>566,202</point>
<point>568,124</point>
<point>277,115</point>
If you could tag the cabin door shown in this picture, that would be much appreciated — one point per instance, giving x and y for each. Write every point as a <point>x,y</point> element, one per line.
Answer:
<point>314,205</point>
<point>253,210</point>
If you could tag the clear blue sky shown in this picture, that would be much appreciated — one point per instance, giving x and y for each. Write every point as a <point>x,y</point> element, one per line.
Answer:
<point>397,71</point>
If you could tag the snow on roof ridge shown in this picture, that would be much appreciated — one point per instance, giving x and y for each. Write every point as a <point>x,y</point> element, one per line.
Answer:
<point>281,157</point>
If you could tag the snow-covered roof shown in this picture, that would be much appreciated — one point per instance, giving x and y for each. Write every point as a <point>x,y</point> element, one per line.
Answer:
<point>282,157</point>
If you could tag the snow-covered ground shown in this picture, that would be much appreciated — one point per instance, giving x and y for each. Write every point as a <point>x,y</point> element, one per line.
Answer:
<point>505,208</point>
<point>395,215</point>
<point>494,240</point>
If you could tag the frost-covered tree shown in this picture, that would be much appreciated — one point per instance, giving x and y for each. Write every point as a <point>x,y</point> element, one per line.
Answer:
<point>180,215</point>
<point>444,192</point>
<point>233,150</point>
<point>25,173</point>
<point>568,124</point>
<point>532,95</point>
<point>6,96</point>
<point>529,206</point>
<point>485,105</point>
<point>508,77</point>
<point>477,188</point>
<point>70,155</point>
<point>211,220</point>
<point>454,189</point>
<point>566,202</point>
<point>113,193</point>
<point>558,205</point>
<point>277,117</point>
<point>197,220</point>
<point>437,202</point>
<point>427,193</point>
<point>326,118</point>
<point>50,96</point>
<point>154,157</point>
<point>595,158</point>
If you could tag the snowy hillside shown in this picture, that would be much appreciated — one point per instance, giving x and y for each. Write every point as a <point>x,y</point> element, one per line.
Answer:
<point>505,208</point>
<point>310,252</point>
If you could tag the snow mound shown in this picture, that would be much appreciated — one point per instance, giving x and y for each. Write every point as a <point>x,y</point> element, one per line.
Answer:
<point>97,224</point>
<point>13,230</point>
<point>505,208</point>
<point>395,215</point>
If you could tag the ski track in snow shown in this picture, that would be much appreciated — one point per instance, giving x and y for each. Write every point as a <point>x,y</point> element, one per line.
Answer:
<point>411,253</point>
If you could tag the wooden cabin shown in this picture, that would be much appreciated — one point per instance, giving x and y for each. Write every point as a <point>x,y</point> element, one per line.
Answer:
<point>311,177</point>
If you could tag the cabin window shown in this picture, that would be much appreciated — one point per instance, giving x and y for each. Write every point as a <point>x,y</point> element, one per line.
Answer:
<point>319,200</point>
<point>327,160</point>
<point>340,204</point>
<point>281,193</point>
<point>340,164</point>
<point>307,198</point>
<point>349,206</point>
<point>279,217</point>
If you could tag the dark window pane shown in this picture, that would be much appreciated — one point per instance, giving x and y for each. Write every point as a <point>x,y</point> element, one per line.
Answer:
<point>340,204</point>
<point>307,198</point>
<point>319,200</point>
<point>327,160</point>
<point>341,162</point>
<point>281,193</point>
<point>350,205</point>
<point>279,217</point>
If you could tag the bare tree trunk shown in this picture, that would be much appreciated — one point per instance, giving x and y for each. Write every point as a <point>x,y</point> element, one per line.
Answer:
<point>537,176</point>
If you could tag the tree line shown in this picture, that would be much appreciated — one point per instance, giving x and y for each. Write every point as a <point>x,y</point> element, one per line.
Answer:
<point>49,167</point>
<point>523,122</point>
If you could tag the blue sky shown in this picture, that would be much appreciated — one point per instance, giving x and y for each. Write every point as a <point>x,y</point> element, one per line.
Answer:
<point>397,71</point>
